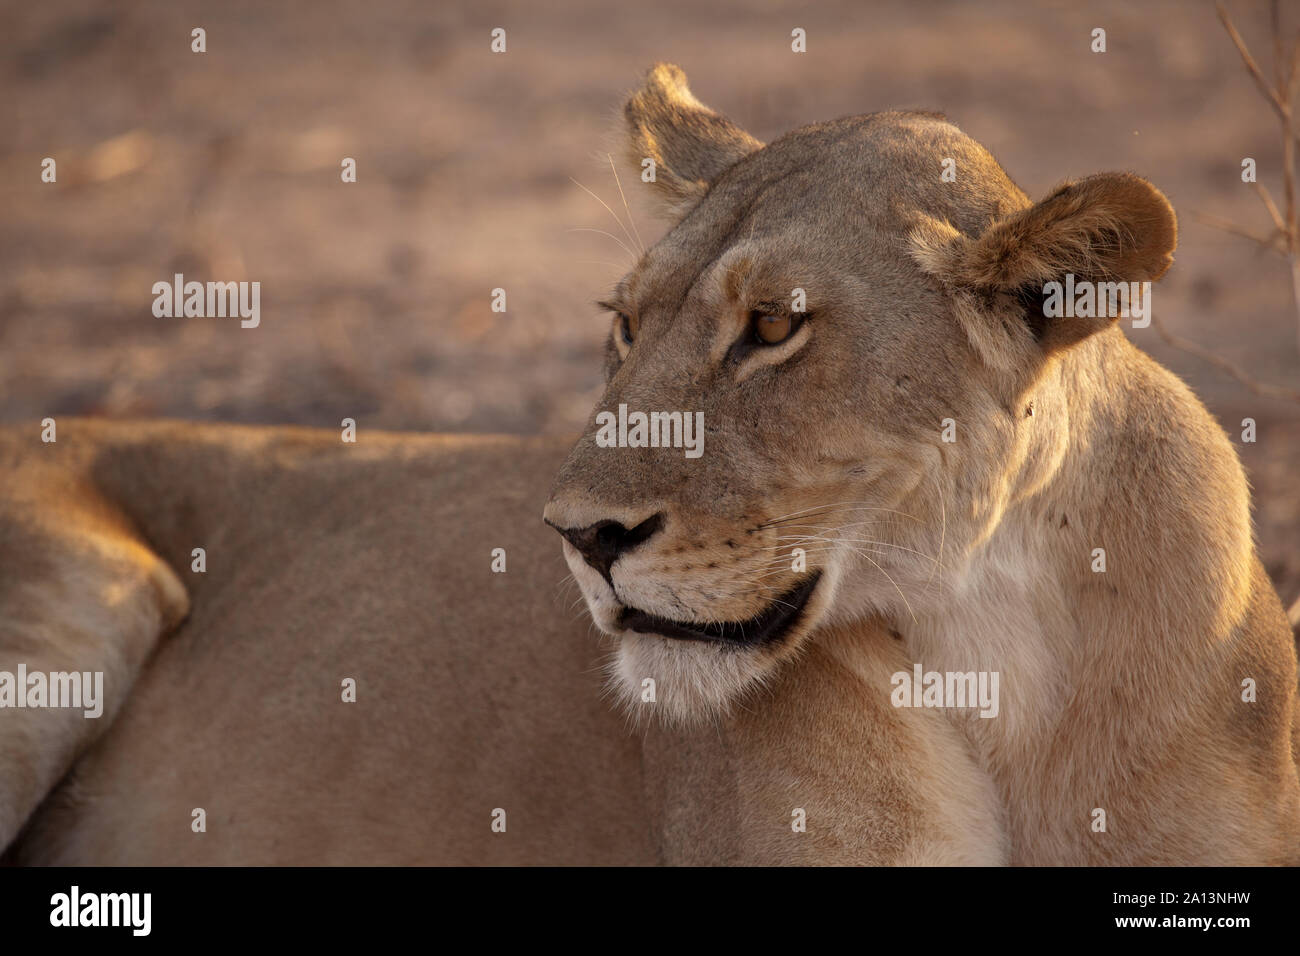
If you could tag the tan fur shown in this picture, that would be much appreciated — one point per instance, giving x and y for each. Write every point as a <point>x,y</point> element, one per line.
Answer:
<point>475,690</point>
<point>689,143</point>
<point>79,591</point>
<point>1121,690</point>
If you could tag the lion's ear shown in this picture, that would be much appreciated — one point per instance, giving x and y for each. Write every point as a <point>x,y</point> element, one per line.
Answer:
<point>1108,228</point>
<point>689,144</point>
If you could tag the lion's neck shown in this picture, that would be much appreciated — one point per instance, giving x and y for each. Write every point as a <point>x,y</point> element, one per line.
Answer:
<point>1099,570</point>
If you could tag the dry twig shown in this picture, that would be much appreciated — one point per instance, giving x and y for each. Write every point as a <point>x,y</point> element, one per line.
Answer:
<point>1281,95</point>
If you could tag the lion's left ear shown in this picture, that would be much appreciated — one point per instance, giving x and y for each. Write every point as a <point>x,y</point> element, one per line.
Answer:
<point>1112,227</point>
<point>690,144</point>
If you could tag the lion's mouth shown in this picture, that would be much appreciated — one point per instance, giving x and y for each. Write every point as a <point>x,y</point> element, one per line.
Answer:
<point>768,625</point>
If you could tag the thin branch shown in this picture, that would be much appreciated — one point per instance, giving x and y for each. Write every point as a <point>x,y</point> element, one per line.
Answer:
<point>1281,98</point>
<point>1295,66</point>
<point>1269,242</point>
<point>1275,22</point>
<point>1236,371</point>
<point>1249,60</point>
<point>1288,181</point>
<point>1295,290</point>
<point>1271,206</point>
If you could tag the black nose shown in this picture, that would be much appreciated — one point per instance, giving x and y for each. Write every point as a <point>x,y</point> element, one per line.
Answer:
<point>604,542</point>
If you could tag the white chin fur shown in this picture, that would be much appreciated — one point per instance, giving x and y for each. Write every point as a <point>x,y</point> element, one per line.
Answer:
<point>694,681</point>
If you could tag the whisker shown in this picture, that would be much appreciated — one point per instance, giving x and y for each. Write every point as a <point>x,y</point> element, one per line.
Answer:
<point>626,207</point>
<point>848,505</point>
<point>906,603</point>
<point>859,540</point>
<point>820,510</point>
<point>599,262</point>
<point>943,534</point>
<point>604,233</point>
<point>607,209</point>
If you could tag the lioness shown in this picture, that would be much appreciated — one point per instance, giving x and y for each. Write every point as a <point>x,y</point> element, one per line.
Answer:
<point>885,389</point>
<point>905,462</point>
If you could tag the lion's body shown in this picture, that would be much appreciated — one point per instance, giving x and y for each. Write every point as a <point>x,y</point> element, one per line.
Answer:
<point>475,690</point>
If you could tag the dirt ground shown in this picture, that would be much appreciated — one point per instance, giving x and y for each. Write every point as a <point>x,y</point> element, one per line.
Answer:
<point>375,295</point>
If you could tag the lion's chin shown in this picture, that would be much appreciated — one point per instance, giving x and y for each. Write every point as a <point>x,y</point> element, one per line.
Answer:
<point>683,682</point>
<point>689,673</point>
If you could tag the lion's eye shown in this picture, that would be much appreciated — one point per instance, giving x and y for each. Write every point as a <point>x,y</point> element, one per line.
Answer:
<point>626,329</point>
<point>772,329</point>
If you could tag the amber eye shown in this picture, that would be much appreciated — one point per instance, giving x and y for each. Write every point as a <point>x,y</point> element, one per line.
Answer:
<point>772,329</point>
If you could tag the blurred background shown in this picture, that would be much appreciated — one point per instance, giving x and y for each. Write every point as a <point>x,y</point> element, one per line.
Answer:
<point>375,296</point>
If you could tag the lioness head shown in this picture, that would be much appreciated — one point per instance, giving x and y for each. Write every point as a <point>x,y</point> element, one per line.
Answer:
<point>834,308</point>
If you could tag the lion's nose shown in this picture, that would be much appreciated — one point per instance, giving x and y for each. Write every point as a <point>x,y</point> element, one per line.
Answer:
<point>603,543</point>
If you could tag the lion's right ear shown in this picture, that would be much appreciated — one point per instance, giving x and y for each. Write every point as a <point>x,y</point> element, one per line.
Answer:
<point>1113,228</point>
<point>689,144</point>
